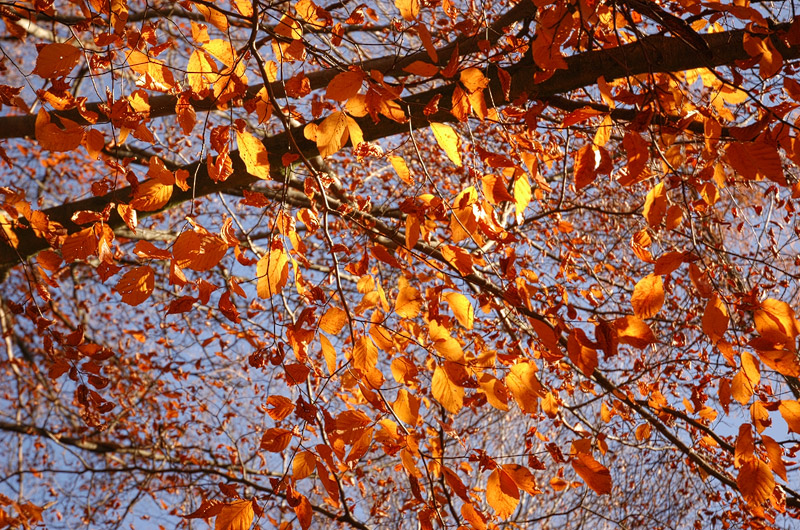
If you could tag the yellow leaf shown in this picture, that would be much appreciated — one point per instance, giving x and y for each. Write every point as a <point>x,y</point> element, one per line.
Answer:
<point>332,133</point>
<point>273,271</point>
<point>790,410</point>
<point>593,473</point>
<point>401,169</point>
<point>237,515</point>
<point>524,386</point>
<point>329,353</point>
<point>406,406</point>
<point>775,320</point>
<point>462,309</point>
<point>253,154</point>
<point>136,285</point>
<point>448,140</point>
<point>333,320</point>
<point>409,9</point>
<point>648,296</point>
<point>655,205</point>
<point>502,493</point>
<point>450,395</point>
<point>408,302</point>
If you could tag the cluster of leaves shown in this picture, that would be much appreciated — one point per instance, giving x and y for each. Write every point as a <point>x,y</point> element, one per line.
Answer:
<point>401,264</point>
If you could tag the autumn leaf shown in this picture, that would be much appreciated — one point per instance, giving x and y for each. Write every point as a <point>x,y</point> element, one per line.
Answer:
<point>450,395</point>
<point>57,59</point>
<point>408,303</point>
<point>634,331</point>
<point>332,134</point>
<point>198,251</point>
<point>502,493</point>
<point>273,273</point>
<point>253,154</point>
<point>276,439</point>
<point>409,9</point>
<point>54,138</point>
<point>303,465</point>
<point>790,410</point>
<point>448,140</point>
<point>237,515</point>
<point>593,473</point>
<point>462,309</point>
<point>648,296</point>
<point>136,285</point>
<point>655,205</point>
<point>755,481</point>
<point>333,320</point>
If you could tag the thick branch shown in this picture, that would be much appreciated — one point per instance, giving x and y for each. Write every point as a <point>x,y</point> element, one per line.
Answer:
<point>652,54</point>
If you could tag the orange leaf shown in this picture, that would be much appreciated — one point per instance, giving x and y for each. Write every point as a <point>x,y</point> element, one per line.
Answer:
<point>198,252</point>
<point>401,169</point>
<point>581,353</point>
<point>593,473</point>
<point>408,302</point>
<point>56,60</point>
<point>655,205</point>
<point>775,321</point>
<point>450,395</point>
<point>303,465</point>
<point>525,386</point>
<point>648,296</point>
<point>448,140</point>
<point>273,272</point>
<point>409,9</point>
<point>365,355</point>
<point>634,331</point>
<point>344,86</point>
<point>253,154</point>
<point>502,493</point>
<point>462,309</point>
<point>332,134</point>
<point>237,515</point>
<point>53,138</point>
<point>136,285</point>
<point>276,439</point>
<point>151,196</point>
<point>715,319</point>
<point>333,320</point>
<point>790,410</point>
<point>755,481</point>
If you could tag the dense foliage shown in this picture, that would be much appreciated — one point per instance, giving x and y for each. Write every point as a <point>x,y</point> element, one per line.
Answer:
<point>441,264</point>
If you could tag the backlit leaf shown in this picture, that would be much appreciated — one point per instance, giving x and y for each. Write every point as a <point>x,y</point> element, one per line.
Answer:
<point>593,473</point>
<point>136,285</point>
<point>450,395</point>
<point>253,154</point>
<point>502,493</point>
<point>448,140</point>
<point>648,296</point>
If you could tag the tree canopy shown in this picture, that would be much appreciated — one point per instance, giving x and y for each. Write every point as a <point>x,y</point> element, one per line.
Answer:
<point>438,265</point>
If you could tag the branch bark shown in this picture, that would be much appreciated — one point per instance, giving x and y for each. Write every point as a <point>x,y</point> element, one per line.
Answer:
<point>656,54</point>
